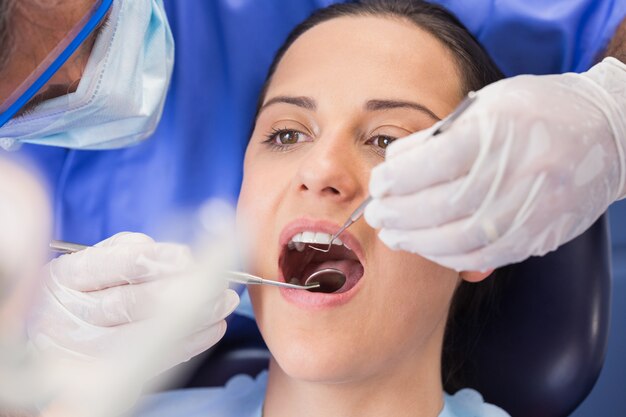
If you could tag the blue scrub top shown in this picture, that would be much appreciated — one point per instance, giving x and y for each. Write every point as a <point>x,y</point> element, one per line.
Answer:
<point>223,50</point>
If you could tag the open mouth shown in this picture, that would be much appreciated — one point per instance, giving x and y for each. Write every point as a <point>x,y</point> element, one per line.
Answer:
<point>298,260</point>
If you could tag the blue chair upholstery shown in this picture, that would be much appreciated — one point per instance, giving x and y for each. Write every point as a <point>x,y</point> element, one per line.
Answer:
<point>541,345</point>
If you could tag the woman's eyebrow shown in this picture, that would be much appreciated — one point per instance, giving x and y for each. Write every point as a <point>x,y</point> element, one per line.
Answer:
<point>371,105</point>
<point>375,105</point>
<point>300,101</point>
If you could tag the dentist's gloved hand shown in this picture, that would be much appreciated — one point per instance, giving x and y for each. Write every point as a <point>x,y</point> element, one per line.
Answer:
<point>528,167</point>
<point>94,300</point>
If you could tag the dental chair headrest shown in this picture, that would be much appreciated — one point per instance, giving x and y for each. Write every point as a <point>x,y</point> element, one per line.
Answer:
<point>543,342</point>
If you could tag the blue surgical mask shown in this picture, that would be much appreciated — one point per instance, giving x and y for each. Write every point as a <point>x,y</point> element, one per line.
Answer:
<point>120,97</point>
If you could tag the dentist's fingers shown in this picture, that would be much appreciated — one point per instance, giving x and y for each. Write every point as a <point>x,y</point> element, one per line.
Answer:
<point>96,268</point>
<point>436,241</point>
<point>129,303</point>
<point>506,250</point>
<point>112,306</point>
<point>122,304</point>
<point>431,207</point>
<point>222,306</point>
<point>440,159</point>
<point>124,238</point>
<point>492,221</point>
<point>195,344</point>
<point>207,335</point>
<point>70,336</point>
<point>479,260</point>
<point>204,339</point>
<point>210,331</point>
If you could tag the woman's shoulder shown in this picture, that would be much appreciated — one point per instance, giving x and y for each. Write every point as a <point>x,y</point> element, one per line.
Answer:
<point>469,403</point>
<point>242,396</point>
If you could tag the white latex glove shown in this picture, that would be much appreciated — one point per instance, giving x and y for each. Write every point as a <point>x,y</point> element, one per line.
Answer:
<point>528,167</point>
<point>95,301</point>
<point>25,225</point>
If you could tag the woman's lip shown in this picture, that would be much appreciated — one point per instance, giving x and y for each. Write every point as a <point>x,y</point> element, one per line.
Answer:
<point>317,225</point>
<point>316,300</point>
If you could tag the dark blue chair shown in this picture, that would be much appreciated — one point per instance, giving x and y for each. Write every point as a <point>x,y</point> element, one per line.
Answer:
<point>543,345</point>
<point>541,342</point>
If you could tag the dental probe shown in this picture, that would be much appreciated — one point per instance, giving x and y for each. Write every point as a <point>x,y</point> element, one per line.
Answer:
<point>245,278</point>
<point>358,212</point>
<point>232,276</point>
<point>356,215</point>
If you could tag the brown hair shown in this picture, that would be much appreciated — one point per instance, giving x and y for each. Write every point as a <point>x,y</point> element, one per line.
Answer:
<point>474,66</point>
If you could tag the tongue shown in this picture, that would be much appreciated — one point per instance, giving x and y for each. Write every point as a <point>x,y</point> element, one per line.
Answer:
<point>353,270</point>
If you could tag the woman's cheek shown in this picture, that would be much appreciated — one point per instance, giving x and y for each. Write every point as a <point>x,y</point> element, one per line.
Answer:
<point>256,217</point>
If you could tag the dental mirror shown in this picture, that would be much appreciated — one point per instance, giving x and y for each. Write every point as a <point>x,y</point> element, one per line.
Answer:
<point>330,280</point>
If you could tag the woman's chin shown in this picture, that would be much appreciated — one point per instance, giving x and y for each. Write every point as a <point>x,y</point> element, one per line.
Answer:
<point>318,367</point>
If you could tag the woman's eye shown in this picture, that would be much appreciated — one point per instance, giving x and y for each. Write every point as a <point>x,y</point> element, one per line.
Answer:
<point>382,141</point>
<point>287,137</point>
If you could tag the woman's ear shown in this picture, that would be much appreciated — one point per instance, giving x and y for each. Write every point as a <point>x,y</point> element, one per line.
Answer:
<point>475,276</point>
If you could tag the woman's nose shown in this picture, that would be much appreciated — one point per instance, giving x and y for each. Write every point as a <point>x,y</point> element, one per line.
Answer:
<point>331,169</point>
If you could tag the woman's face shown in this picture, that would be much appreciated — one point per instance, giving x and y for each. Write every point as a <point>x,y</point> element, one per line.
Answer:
<point>341,93</point>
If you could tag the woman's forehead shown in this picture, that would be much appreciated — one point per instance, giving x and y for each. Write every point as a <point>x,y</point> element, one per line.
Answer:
<point>367,56</point>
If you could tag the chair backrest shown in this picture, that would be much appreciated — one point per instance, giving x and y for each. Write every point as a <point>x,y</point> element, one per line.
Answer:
<point>539,354</point>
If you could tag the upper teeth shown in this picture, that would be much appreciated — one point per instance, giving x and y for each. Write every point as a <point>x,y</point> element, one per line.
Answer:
<point>300,240</point>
